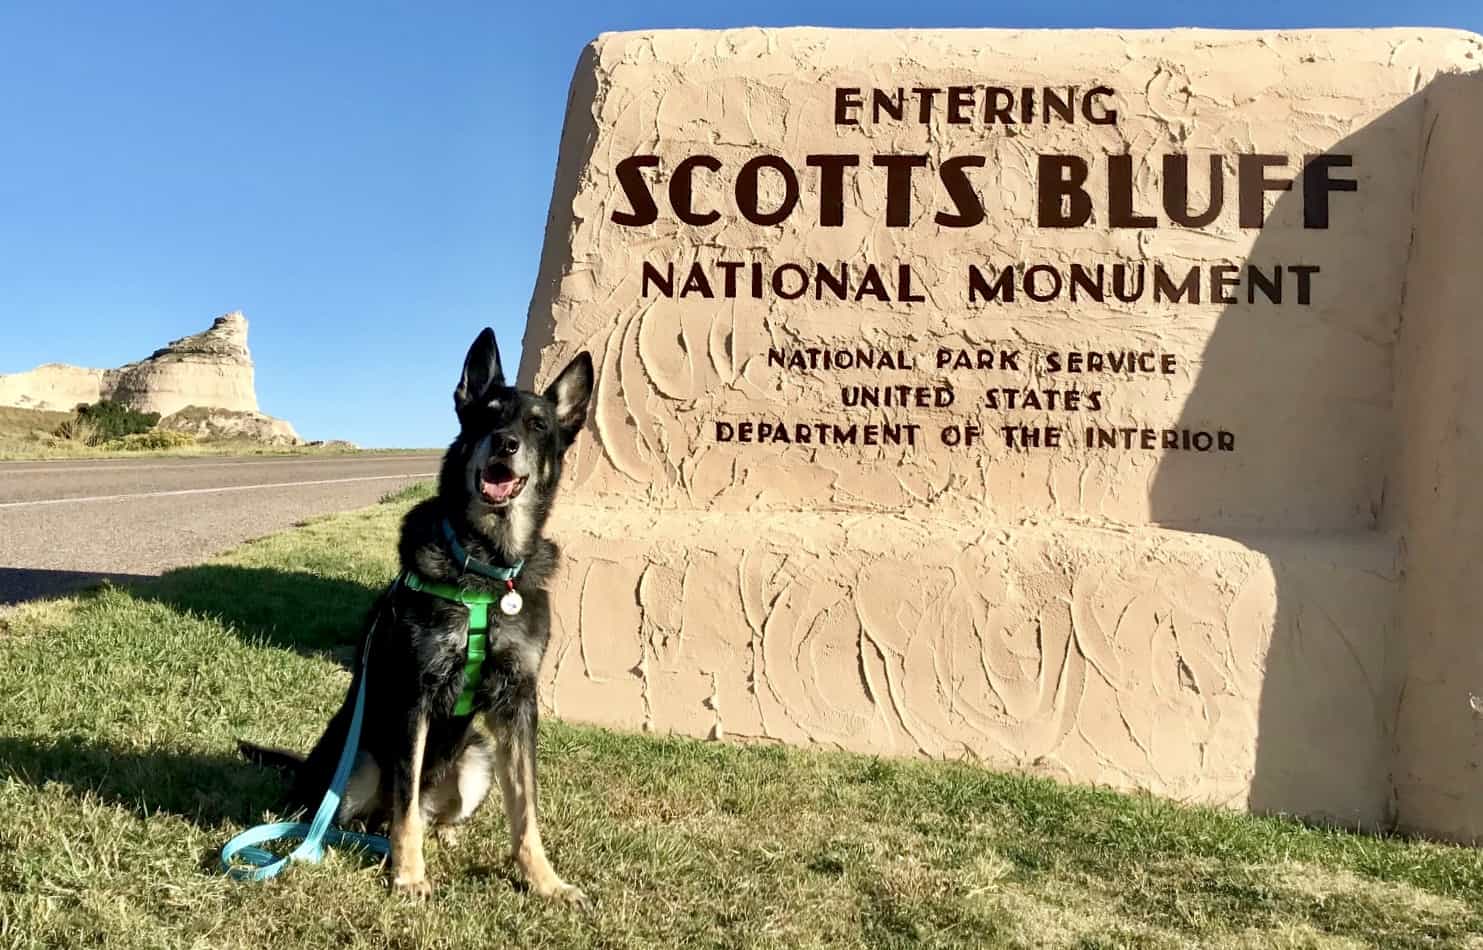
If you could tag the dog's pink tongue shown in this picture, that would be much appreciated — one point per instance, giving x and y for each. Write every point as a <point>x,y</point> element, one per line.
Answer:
<point>500,490</point>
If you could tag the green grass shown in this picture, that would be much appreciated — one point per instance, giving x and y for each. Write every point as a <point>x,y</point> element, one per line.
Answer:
<point>119,782</point>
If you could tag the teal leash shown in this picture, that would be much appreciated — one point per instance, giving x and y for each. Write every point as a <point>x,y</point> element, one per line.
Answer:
<point>259,864</point>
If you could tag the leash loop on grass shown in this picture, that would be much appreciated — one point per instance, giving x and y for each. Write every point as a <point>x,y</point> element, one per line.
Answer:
<point>259,864</point>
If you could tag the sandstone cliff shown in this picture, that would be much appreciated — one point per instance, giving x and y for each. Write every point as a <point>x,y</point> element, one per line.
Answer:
<point>207,369</point>
<point>211,370</point>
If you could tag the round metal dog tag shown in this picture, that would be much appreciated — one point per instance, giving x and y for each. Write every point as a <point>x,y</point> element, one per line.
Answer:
<point>510,604</point>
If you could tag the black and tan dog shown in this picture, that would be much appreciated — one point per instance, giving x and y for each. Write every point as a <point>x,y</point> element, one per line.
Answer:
<point>420,761</point>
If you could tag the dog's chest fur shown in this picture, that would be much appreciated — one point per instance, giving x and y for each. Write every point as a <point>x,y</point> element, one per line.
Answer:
<point>435,630</point>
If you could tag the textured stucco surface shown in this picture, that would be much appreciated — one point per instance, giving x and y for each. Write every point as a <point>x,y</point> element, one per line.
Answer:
<point>1132,657</point>
<point>1220,626</point>
<point>1439,511</point>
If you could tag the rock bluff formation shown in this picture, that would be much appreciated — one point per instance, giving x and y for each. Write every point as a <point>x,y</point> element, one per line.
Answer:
<point>1286,625</point>
<point>210,373</point>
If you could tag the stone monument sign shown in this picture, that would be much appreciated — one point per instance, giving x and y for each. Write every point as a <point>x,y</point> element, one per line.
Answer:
<point>1091,403</point>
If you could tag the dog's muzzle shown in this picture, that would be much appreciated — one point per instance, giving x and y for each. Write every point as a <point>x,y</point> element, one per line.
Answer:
<point>498,484</point>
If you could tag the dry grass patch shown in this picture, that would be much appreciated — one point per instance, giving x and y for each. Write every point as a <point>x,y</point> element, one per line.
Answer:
<point>29,434</point>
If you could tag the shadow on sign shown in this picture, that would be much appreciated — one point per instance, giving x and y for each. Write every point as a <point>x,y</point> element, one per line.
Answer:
<point>1308,389</point>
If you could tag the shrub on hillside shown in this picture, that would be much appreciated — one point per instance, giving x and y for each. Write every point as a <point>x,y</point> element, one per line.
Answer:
<point>154,439</point>
<point>77,431</point>
<point>105,420</point>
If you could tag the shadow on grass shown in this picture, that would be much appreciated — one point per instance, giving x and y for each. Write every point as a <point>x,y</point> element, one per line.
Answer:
<point>208,790</point>
<point>20,584</point>
<point>304,612</point>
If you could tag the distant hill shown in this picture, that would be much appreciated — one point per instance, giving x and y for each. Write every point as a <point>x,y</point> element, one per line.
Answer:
<point>201,384</point>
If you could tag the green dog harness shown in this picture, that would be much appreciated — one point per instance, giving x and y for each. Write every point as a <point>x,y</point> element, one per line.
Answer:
<point>478,603</point>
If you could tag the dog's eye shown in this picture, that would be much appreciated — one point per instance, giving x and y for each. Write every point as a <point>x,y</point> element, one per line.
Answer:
<point>537,424</point>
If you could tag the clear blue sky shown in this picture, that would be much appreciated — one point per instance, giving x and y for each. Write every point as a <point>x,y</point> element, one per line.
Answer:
<point>368,182</point>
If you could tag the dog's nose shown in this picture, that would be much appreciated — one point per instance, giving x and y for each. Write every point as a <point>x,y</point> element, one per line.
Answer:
<point>506,444</point>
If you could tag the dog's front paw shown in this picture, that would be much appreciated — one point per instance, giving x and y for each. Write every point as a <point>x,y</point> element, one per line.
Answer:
<point>566,894</point>
<point>417,888</point>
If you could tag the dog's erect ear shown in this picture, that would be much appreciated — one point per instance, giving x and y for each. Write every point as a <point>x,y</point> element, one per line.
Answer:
<point>570,392</point>
<point>481,371</point>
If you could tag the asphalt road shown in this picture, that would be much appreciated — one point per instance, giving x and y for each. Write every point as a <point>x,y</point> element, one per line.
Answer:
<point>64,524</point>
